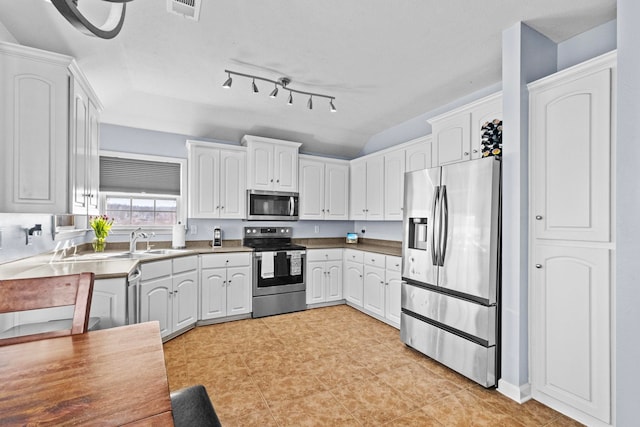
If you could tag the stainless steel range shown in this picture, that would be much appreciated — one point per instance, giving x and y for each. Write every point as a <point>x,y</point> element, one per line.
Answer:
<point>278,271</point>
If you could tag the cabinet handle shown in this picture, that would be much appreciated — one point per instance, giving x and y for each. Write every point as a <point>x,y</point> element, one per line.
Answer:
<point>327,210</point>
<point>218,207</point>
<point>322,210</point>
<point>538,265</point>
<point>175,292</point>
<point>277,180</point>
<point>229,283</point>
<point>382,282</point>
<point>224,283</point>
<point>361,276</point>
<point>538,217</point>
<point>271,179</point>
<point>466,153</point>
<point>221,207</point>
<point>475,150</point>
<point>397,265</point>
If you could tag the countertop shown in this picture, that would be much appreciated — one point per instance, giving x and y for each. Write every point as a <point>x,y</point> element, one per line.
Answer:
<point>40,265</point>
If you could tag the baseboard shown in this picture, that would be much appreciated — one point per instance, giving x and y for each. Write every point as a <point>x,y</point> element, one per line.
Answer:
<point>518,393</point>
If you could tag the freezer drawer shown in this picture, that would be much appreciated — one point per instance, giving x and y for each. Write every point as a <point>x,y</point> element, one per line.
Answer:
<point>465,316</point>
<point>466,357</point>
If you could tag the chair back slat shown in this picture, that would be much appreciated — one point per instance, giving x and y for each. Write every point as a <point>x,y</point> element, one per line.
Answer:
<point>47,292</point>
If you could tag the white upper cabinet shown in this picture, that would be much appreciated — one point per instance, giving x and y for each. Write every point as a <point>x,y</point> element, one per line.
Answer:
<point>272,164</point>
<point>324,188</point>
<point>217,187</point>
<point>84,147</point>
<point>418,154</point>
<point>457,134</point>
<point>36,124</point>
<point>571,173</point>
<point>394,168</point>
<point>367,188</point>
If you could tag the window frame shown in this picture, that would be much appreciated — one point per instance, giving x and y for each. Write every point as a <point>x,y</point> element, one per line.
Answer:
<point>181,211</point>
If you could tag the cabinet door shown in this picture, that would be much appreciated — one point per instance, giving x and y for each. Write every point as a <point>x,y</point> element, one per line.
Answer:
<point>79,144</point>
<point>233,175</point>
<point>418,156</point>
<point>261,166</point>
<point>358,192</point>
<point>571,151</point>
<point>204,182</point>
<point>34,124</point>
<point>336,191</point>
<point>109,302</point>
<point>239,291</point>
<point>571,321</point>
<point>375,186</point>
<point>213,293</point>
<point>394,185</point>
<point>312,186</point>
<point>452,139</point>
<point>316,274</point>
<point>393,290</point>
<point>353,282</point>
<point>185,299</point>
<point>373,296</point>
<point>486,112</point>
<point>93,159</point>
<point>285,168</point>
<point>333,283</point>
<point>156,303</point>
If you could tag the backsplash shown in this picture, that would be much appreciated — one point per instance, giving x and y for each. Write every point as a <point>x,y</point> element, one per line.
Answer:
<point>13,237</point>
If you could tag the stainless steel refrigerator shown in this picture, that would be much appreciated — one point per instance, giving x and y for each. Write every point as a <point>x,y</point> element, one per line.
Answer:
<point>451,266</point>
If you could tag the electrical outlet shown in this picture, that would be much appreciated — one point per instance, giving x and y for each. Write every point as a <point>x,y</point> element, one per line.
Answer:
<point>193,229</point>
<point>317,229</point>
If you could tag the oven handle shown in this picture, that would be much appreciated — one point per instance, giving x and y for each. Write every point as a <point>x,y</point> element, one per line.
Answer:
<point>291,205</point>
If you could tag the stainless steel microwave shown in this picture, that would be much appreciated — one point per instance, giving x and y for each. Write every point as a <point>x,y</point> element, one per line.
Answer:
<point>272,206</point>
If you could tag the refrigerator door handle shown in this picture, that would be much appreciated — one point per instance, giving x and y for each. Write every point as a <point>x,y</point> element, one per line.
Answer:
<point>434,255</point>
<point>444,206</point>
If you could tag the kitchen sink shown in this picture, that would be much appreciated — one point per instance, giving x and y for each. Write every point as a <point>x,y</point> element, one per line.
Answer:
<point>106,256</point>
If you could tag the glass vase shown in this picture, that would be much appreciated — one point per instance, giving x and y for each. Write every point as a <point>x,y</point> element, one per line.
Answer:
<point>99,244</point>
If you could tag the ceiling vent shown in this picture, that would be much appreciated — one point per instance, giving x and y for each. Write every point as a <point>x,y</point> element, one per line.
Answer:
<point>190,9</point>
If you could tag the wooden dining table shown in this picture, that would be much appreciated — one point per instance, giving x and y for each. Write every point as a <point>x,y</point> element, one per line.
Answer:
<point>107,377</point>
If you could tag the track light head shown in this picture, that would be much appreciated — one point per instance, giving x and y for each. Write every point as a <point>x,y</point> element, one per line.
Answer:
<point>332,107</point>
<point>274,92</point>
<point>310,103</point>
<point>290,102</point>
<point>227,83</point>
<point>253,85</point>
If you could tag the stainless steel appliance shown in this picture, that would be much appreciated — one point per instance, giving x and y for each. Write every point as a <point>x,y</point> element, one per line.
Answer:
<point>278,271</point>
<point>451,266</point>
<point>271,206</point>
<point>217,237</point>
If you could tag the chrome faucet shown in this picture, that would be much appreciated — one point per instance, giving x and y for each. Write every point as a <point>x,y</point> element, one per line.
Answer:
<point>133,238</point>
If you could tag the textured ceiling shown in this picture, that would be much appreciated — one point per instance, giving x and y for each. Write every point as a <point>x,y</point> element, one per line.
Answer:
<point>384,61</point>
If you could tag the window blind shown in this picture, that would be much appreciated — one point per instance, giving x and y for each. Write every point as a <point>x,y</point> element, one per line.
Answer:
<point>139,176</point>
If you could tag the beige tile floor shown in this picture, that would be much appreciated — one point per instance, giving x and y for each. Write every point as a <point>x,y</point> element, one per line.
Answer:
<point>333,366</point>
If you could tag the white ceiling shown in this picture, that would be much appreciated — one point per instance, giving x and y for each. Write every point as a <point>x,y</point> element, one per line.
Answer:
<point>384,61</point>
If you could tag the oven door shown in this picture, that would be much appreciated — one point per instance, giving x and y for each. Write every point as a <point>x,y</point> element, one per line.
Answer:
<point>271,206</point>
<point>283,280</point>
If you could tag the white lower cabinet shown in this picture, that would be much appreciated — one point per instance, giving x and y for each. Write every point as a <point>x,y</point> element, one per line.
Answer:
<point>225,285</point>
<point>570,344</point>
<point>372,282</point>
<point>353,277</point>
<point>169,293</point>
<point>109,302</point>
<point>324,275</point>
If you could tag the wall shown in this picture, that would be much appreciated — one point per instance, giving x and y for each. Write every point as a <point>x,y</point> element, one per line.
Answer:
<point>627,278</point>
<point>5,35</point>
<point>598,40</point>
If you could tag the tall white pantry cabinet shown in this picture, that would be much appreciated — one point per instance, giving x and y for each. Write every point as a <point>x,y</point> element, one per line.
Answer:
<point>572,247</point>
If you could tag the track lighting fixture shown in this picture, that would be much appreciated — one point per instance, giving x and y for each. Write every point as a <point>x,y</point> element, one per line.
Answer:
<point>227,83</point>
<point>274,92</point>
<point>283,82</point>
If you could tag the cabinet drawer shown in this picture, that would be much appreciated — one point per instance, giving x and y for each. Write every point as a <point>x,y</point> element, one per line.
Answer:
<point>185,263</point>
<point>354,255</point>
<point>324,255</point>
<point>225,260</point>
<point>377,260</point>
<point>152,270</point>
<point>393,263</point>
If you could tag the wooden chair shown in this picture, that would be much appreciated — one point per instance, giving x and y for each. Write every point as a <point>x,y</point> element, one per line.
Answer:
<point>47,292</point>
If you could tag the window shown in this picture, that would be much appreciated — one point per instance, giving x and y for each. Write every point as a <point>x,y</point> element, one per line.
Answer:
<point>141,190</point>
<point>140,210</point>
